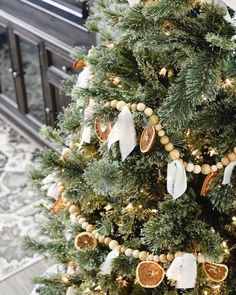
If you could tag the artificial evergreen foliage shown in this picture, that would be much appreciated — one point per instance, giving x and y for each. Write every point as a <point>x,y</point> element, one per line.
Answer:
<point>178,58</point>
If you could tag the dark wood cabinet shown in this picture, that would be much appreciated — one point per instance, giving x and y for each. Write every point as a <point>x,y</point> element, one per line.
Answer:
<point>36,39</point>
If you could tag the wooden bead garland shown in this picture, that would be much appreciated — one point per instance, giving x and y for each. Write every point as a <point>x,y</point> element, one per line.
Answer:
<point>113,244</point>
<point>174,154</point>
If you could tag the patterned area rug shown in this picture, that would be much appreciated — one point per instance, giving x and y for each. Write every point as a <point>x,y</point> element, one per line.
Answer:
<point>19,214</point>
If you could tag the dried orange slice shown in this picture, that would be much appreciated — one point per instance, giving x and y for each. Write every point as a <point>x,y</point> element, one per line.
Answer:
<point>78,64</point>
<point>84,240</point>
<point>149,274</point>
<point>206,187</point>
<point>58,205</point>
<point>215,272</point>
<point>102,129</point>
<point>147,139</point>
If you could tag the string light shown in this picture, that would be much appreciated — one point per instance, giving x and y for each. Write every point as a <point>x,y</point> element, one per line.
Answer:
<point>228,83</point>
<point>224,244</point>
<point>163,72</point>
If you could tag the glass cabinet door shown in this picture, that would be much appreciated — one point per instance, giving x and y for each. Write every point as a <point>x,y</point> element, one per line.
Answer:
<point>7,87</point>
<point>31,69</point>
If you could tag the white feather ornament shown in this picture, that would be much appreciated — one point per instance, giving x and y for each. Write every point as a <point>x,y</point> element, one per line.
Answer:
<point>176,179</point>
<point>228,172</point>
<point>106,265</point>
<point>183,270</point>
<point>83,78</point>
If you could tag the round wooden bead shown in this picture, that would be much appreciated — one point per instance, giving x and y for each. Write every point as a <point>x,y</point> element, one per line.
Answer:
<point>206,169</point>
<point>214,168</point>
<point>61,189</point>
<point>66,153</point>
<point>148,112</point>
<point>73,209</point>
<point>107,240</point>
<point>153,119</point>
<point>170,257</point>
<point>118,248</point>
<point>190,167</point>
<point>94,232</point>
<point>164,140</point>
<point>101,239</point>
<point>174,155</point>
<point>156,258</point>
<point>163,258</point>
<point>219,165</point>
<point>81,220</point>
<point>161,133</point>
<point>232,156</point>
<point>134,106</point>
<point>142,255</point>
<point>107,104</point>
<point>150,257</point>
<point>179,254</point>
<point>184,163</point>
<point>97,236</point>
<point>90,228</point>
<point>197,169</point>
<point>158,127</point>
<point>141,107</point>
<point>120,105</point>
<point>201,258</point>
<point>114,103</point>
<point>128,252</point>
<point>122,249</point>
<point>84,225</point>
<point>225,161</point>
<point>128,105</point>
<point>113,244</point>
<point>135,253</point>
<point>169,147</point>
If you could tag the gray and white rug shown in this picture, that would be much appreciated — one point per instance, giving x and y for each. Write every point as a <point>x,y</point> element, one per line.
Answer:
<point>19,214</point>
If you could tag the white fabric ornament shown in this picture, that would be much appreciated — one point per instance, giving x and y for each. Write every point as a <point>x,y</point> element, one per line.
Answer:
<point>83,78</point>
<point>231,4</point>
<point>176,179</point>
<point>184,271</point>
<point>124,131</point>
<point>133,2</point>
<point>228,172</point>
<point>106,265</point>
<point>50,185</point>
<point>71,291</point>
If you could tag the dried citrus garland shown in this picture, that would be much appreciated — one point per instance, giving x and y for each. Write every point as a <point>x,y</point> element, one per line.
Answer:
<point>174,154</point>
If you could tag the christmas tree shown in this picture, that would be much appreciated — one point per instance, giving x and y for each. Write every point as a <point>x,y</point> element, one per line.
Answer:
<point>140,194</point>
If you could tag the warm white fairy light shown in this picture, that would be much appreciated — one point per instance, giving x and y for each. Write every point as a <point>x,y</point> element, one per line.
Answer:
<point>224,244</point>
<point>163,72</point>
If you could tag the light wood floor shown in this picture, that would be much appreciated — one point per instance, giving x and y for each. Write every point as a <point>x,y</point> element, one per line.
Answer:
<point>20,284</point>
